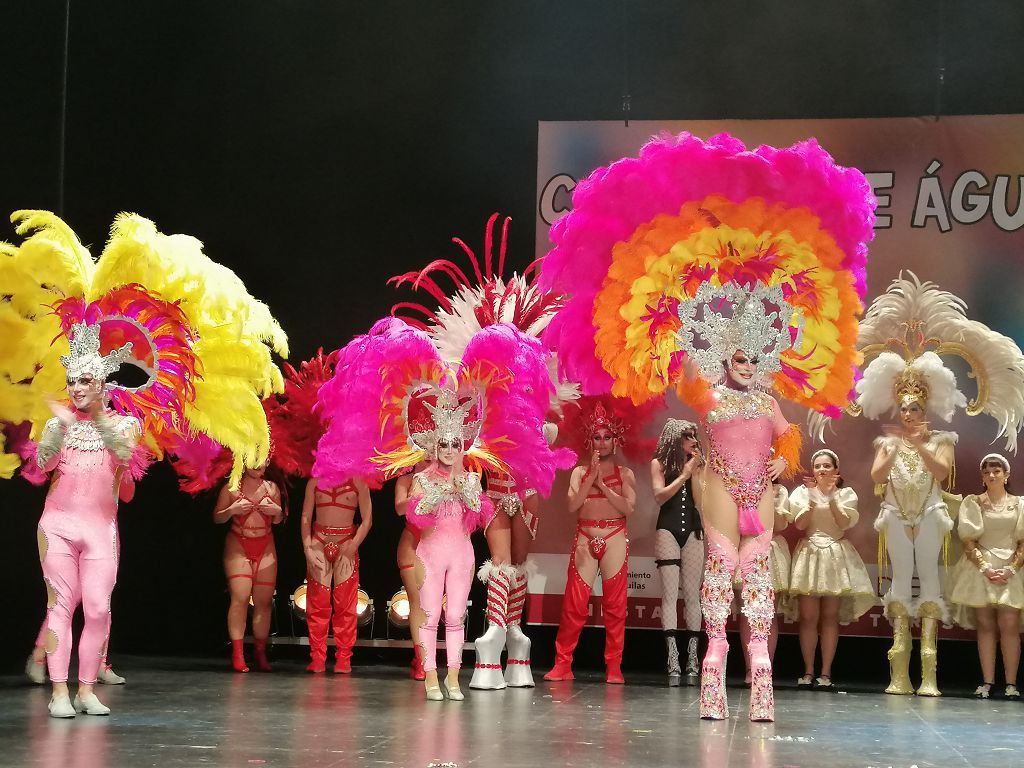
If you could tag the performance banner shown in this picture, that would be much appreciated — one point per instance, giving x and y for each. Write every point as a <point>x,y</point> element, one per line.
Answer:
<point>949,209</point>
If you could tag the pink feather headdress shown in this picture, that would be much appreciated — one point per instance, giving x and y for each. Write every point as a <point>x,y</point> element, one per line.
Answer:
<point>378,425</point>
<point>655,246</point>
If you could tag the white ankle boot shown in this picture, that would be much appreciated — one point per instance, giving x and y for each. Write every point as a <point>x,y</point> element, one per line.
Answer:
<point>60,706</point>
<point>90,705</point>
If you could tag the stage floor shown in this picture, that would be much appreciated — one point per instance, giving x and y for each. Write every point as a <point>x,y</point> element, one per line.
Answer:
<point>182,713</point>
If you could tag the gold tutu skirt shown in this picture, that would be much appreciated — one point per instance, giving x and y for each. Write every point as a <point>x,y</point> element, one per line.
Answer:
<point>824,567</point>
<point>969,589</point>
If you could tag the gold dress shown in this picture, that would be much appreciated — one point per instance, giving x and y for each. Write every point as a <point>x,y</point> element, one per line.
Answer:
<point>996,531</point>
<point>824,563</point>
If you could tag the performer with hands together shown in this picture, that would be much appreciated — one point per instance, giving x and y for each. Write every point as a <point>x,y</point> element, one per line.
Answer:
<point>829,584</point>
<point>986,587</point>
<point>678,542</point>
<point>602,494</point>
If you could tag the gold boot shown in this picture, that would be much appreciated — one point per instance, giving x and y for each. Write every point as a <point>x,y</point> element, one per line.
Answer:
<point>899,654</point>
<point>929,662</point>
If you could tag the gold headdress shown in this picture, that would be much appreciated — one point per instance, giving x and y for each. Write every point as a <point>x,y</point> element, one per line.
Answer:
<point>904,334</point>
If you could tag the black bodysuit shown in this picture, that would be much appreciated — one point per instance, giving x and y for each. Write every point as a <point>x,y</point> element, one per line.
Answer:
<point>679,514</point>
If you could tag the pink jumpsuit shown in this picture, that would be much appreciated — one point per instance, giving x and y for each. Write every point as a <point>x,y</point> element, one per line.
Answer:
<point>447,517</point>
<point>78,546</point>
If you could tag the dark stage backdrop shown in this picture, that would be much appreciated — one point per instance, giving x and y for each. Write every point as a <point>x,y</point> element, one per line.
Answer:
<point>318,148</point>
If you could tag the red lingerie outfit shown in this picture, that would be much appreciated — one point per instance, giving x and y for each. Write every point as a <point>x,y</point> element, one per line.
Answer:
<point>254,547</point>
<point>344,596</point>
<point>576,601</point>
<point>505,495</point>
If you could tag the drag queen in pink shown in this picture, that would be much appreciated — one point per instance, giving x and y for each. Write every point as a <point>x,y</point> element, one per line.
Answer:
<point>86,450</point>
<point>151,298</point>
<point>447,504</point>
<point>721,273</point>
<point>492,298</point>
<point>738,508</point>
<point>393,402</point>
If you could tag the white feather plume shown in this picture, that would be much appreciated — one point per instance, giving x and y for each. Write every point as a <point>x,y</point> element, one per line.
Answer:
<point>922,314</point>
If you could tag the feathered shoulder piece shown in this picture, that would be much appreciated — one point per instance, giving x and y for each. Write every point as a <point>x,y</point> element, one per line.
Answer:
<point>906,333</point>
<point>695,249</point>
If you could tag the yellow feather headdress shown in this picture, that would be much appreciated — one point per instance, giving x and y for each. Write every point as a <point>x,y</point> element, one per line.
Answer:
<point>231,335</point>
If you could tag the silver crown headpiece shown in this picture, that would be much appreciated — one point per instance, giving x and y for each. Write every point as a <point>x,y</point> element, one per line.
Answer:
<point>85,354</point>
<point>719,320</point>
<point>451,418</point>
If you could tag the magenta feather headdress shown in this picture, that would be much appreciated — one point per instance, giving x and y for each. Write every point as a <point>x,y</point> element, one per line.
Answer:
<point>482,297</point>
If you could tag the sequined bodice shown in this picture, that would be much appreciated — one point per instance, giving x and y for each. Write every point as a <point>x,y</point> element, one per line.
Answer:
<point>500,485</point>
<point>86,478</point>
<point>443,496</point>
<point>912,488</point>
<point>740,430</point>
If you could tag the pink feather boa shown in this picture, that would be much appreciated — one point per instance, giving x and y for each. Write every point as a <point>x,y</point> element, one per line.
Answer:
<point>613,201</point>
<point>471,520</point>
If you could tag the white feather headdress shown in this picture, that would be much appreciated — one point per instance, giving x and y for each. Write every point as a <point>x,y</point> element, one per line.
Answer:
<point>489,300</point>
<point>908,329</point>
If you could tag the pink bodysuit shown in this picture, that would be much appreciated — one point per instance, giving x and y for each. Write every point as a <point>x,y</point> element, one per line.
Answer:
<point>448,517</point>
<point>78,543</point>
<point>741,429</point>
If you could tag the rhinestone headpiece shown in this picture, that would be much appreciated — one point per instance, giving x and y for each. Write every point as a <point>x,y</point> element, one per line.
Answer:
<point>601,419</point>
<point>85,354</point>
<point>451,418</point>
<point>757,321</point>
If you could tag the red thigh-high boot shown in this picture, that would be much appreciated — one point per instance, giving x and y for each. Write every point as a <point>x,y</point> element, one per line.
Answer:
<point>613,605</point>
<point>318,615</point>
<point>758,597</point>
<point>518,673</point>
<point>715,602</point>
<point>346,596</point>
<point>487,671</point>
<point>575,606</point>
